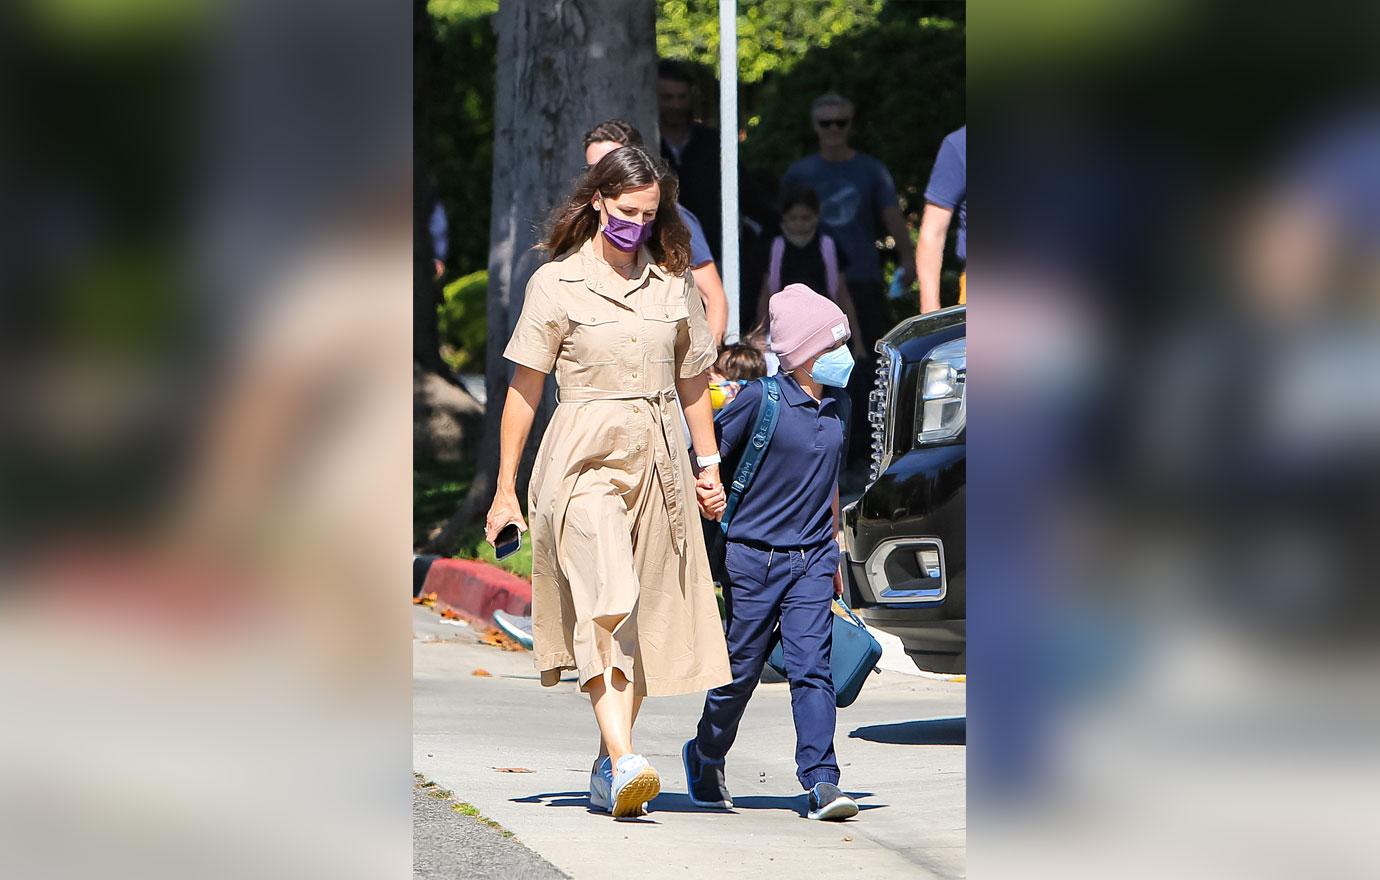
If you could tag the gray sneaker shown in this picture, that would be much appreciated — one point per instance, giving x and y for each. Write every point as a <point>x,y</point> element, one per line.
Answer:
<point>601,785</point>
<point>829,803</point>
<point>704,779</point>
<point>519,629</point>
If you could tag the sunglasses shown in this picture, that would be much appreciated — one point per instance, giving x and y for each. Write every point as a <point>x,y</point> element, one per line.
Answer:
<point>833,123</point>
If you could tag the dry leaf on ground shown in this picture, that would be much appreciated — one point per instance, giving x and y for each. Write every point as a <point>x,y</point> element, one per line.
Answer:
<point>483,673</point>
<point>514,770</point>
<point>496,639</point>
<point>449,614</point>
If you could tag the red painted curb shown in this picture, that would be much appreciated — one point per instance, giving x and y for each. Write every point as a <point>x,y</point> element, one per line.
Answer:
<point>477,590</point>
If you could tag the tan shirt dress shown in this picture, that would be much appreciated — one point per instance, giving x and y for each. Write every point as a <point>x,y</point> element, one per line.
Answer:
<point>619,572</point>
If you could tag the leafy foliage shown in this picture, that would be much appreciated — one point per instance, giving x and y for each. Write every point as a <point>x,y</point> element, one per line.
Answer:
<point>463,331</point>
<point>462,125</point>
<point>772,34</point>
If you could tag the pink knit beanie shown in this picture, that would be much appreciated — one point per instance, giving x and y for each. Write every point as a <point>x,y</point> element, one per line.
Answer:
<point>804,324</point>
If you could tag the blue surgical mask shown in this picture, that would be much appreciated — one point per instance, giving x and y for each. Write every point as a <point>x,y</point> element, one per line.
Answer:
<point>833,367</point>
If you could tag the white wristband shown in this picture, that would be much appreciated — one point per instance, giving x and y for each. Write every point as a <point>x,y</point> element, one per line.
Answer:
<point>707,460</point>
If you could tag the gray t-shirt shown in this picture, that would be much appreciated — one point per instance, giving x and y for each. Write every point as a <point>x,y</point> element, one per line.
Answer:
<point>852,196</point>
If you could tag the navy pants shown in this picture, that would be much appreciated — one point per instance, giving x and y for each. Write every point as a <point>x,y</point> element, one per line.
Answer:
<point>796,588</point>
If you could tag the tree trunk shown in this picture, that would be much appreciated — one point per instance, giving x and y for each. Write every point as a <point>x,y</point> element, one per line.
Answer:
<point>563,65</point>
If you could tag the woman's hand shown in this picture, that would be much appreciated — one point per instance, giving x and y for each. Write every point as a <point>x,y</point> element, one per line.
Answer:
<point>709,494</point>
<point>503,511</point>
<point>838,582</point>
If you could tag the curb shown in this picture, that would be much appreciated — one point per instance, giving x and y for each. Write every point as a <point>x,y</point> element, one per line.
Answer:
<point>476,589</point>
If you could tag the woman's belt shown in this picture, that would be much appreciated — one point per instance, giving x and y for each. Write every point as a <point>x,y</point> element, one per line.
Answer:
<point>664,455</point>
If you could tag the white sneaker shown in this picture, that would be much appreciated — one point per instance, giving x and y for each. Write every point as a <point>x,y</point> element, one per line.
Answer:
<point>634,783</point>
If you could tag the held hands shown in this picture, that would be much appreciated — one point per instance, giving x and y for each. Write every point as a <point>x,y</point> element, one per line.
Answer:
<point>503,511</point>
<point>709,493</point>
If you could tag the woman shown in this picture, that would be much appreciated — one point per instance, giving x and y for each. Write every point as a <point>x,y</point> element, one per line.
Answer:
<point>621,590</point>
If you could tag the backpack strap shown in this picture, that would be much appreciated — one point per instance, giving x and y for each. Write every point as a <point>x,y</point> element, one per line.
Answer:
<point>829,251</point>
<point>778,253</point>
<point>768,411</point>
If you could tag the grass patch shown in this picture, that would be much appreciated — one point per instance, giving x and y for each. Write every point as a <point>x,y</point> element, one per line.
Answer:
<point>473,546</point>
<point>471,810</point>
<point>437,491</point>
<point>464,809</point>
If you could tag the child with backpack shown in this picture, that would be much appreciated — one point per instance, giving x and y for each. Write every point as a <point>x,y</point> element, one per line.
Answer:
<point>803,254</point>
<point>780,554</point>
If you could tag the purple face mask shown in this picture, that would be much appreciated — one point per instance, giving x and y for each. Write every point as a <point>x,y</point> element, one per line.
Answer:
<point>626,235</point>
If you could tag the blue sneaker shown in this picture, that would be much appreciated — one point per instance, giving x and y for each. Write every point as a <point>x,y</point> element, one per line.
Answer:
<point>601,785</point>
<point>829,803</point>
<point>519,629</point>
<point>704,780</point>
<point>634,783</point>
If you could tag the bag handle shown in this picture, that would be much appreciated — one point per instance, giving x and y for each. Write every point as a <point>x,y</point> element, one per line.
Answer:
<point>849,611</point>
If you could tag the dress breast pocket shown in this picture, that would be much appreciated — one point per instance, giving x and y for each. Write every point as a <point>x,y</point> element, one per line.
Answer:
<point>664,321</point>
<point>593,339</point>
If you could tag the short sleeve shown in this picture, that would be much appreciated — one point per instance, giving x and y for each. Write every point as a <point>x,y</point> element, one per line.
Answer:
<point>695,351</point>
<point>699,245</point>
<point>949,180</point>
<point>540,330</point>
<point>884,188</point>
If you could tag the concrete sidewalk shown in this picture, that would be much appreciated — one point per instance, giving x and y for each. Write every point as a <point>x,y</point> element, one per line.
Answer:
<point>900,747</point>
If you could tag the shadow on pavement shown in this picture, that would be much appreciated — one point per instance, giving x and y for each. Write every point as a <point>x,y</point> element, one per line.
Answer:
<point>926,732</point>
<point>673,802</point>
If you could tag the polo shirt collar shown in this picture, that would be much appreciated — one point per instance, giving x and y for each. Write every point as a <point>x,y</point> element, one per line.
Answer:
<point>793,393</point>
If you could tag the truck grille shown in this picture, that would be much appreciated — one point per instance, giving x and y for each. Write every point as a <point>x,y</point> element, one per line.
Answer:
<point>877,402</point>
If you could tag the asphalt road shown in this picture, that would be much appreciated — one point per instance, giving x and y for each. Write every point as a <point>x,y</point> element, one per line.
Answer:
<point>449,845</point>
<point>900,746</point>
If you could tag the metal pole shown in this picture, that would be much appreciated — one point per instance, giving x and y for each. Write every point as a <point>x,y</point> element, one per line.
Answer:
<point>728,155</point>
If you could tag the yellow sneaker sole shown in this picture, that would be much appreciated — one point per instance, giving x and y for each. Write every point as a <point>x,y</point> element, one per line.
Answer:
<point>640,789</point>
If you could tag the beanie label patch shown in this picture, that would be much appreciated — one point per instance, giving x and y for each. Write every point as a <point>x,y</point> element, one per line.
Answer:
<point>839,331</point>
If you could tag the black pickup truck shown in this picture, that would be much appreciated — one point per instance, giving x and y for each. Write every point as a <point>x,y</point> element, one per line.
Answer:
<point>904,539</point>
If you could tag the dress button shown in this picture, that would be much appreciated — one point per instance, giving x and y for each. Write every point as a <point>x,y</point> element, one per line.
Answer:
<point>634,375</point>
<point>634,339</point>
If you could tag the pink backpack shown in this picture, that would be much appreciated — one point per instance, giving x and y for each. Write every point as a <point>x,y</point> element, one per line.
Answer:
<point>826,250</point>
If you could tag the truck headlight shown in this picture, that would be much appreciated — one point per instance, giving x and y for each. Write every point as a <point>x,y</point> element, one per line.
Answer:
<point>941,411</point>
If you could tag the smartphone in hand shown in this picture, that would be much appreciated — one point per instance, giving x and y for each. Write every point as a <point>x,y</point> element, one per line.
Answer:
<point>508,541</point>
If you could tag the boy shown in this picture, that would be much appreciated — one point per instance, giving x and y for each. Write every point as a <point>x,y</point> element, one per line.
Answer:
<point>782,558</point>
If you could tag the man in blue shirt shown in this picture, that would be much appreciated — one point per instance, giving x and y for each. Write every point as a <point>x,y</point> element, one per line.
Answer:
<point>782,559</point>
<point>858,207</point>
<point>947,191</point>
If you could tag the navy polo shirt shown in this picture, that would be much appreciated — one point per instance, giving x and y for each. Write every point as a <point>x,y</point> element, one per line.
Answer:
<point>789,503</point>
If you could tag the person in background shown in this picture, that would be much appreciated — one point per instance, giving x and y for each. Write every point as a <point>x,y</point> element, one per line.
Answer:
<point>440,237</point>
<point>738,364</point>
<point>802,254</point>
<point>946,192</point>
<point>782,556</point>
<point>858,207</point>
<point>690,148</point>
<point>611,134</point>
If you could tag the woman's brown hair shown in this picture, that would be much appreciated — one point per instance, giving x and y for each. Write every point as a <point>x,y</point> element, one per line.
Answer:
<point>575,221</point>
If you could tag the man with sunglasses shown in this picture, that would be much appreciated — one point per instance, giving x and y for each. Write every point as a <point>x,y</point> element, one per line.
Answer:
<point>858,206</point>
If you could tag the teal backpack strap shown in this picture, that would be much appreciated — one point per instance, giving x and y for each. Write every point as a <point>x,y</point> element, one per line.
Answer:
<point>768,410</point>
